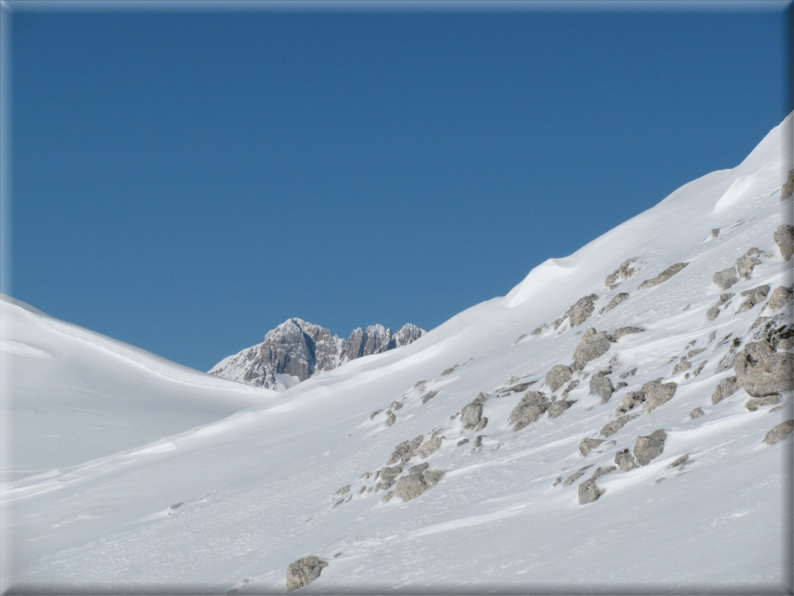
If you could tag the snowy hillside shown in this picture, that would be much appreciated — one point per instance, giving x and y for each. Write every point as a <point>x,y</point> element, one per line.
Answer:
<point>604,427</point>
<point>296,350</point>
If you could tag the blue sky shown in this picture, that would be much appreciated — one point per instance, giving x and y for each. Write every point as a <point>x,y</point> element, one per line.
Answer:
<point>185,181</point>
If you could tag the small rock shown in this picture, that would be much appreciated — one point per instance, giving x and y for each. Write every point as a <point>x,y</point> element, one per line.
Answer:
<point>628,373</point>
<point>428,396</point>
<point>713,313</point>
<point>725,388</point>
<point>589,492</point>
<point>612,427</point>
<point>696,413</point>
<point>656,394</point>
<point>471,414</point>
<point>388,496</point>
<point>557,481</point>
<point>788,187</point>
<point>614,302</point>
<point>621,385</point>
<point>592,345</point>
<point>574,477</point>
<point>462,442</point>
<point>680,461</point>
<point>602,472</point>
<point>362,490</point>
<point>621,331</point>
<point>449,370</point>
<point>418,468</point>
<point>413,485</point>
<point>571,386</point>
<point>587,445</point>
<point>558,376</point>
<point>375,413</point>
<point>581,311</point>
<point>531,407</point>
<point>779,432</point>
<point>663,276</point>
<point>746,264</point>
<point>601,385</point>
<point>649,447</point>
<point>390,418</point>
<point>781,296</point>
<point>304,571</point>
<point>754,296</point>
<point>760,402</point>
<point>429,448</point>
<point>482,424</point>
<point>559,406</point>
<point>630,401</point>
<point>682,365</point>
<point>395,405</point>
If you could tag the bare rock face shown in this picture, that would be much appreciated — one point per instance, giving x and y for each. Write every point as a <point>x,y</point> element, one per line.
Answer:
<point>663,276</point>
<point>649,447</point>
<point>558,376</point>
<point>304,571</point>
<point>779,432</point>
<point>725,388</point>
<point>296,349</point>
<point>761,371</point>
<point>601,385</point>
<point>593,344</point>
<point>784,238</point>
<point>726,278</point>
<point>531,407</point>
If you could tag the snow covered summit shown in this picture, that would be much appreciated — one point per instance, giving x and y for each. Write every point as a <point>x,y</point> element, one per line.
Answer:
<point>295,350</point>
<point>620,422</point>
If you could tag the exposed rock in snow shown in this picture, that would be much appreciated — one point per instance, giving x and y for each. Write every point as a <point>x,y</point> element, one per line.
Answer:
<point>601,385</point>
<point>589,492</point>
<point>593,344</point>
<point>761,371</point>
<point>779,432</point>
<point>761,402</point>
<point>725,388</point>
<point>656,394</point>
<point>781,296</point>
<point>621,331</point>
<point>625,460</point>
<point>429,447</point>
<point>559,406</point>
<point>784,238</point>
<point>623,272</point>
<point>614,426</point>
<point>726,278</point>
<point>558,376</point>
<point>696,413</point>
<point>788,187</point>
<point>531,407</point>
<point>587,445</point>
<point>296,349</point>
<point>746,264</point>
<point>471,414</point>
<point>649,447</point>
<point>752,297</point>
<point>663,276</point>
<point>613,303</point>
<point>413,485</point>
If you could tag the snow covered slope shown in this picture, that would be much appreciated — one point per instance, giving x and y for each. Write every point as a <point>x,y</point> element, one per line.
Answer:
<point>75,395</point>
<point>224,508</point>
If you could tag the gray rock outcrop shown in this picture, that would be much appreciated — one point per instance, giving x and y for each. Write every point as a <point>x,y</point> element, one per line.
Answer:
<point>621,331</point>
<point>299,349</point>
<point>649,447</point>
<point>559,406</point>
<point>531,407</point>
<point>429,447</point>
<point>762,371</point>
<point>726,278</point>
<point>656,394</point>
<point>582,310</point>
<point>761,402</point>
<point>625,460</point>
<point>390,418</point>
<point>587,445</point>
<point>748,262</point>
<point>558,376</point>
<point>784,238</point>
<point>304,571</point>
<point>696,413</point>
<point>614,426</point>
<point>788,186</point>
<point>623,272</point>
<point>753,296</point>
<point>663,276</point>
<point>405,450</point>
<point>781,296</point>
<point>779,432</point>
<point>471,414</point>
<point>589,492</point>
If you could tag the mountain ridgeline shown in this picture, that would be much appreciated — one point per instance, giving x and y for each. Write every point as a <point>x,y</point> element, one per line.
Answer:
<point>296,349</point>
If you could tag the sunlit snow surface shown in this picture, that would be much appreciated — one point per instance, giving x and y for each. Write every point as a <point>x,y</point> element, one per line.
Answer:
<point>197,500</point>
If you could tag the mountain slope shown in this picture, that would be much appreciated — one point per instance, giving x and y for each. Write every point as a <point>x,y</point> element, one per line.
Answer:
<point>226,507</point>
<point>296,350</point>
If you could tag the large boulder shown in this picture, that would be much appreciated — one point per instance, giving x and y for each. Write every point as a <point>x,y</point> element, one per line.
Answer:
<point>788,187</point>
<point>593,344</point>
<point>531,407</point>
<point>411,486</point>
<point>726,278</point>
<point>656,394</point>
<point>601,385</point>
<point>746,264</point>
<point>471,414</point>
<point>623,272</point>
<point>649,447</point>
<point>663,276</point>
<point>304,571</point>
<point>558,376</point>
<point>761,371</point>
<point>784,238</point>
<point>725,388</point>
<point>779,432</point>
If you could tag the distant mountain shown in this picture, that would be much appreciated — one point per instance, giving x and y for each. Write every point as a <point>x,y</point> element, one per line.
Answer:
<point>296,349</point>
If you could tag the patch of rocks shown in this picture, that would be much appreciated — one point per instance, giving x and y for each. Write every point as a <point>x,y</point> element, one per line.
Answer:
<point>663,276</point>
<point>713,312</point>
<point>579,312</point>
<point>725,388</point>
<point>623,272</point>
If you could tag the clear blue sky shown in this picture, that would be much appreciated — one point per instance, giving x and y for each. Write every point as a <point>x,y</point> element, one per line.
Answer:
<point>186,181</point>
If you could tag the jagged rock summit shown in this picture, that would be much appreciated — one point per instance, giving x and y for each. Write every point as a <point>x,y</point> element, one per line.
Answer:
<point>296,349</point>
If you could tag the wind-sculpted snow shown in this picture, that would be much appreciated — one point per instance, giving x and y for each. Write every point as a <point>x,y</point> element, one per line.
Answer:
<point>542,498</point>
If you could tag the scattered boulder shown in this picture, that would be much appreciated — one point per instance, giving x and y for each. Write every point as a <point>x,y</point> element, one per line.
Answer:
<point>788,188</point>
<point>656,394</point>
<point>558,376</point>
<point>571,386</point>
<point>602,472</point>
<point>663,276</point>
<point>482,424</point>
<point>418,468</point>
<point>471,414</point>
<point>388,496</point>
<point>531,407</point>
<point>601,385</point>
<point>760,402</point>
<point>621,331</point>
<point>593,344</point>
<point>614,302</point>
<point>784,238</point>
<point>575,476</point>
<point>713,313</point>
<point>462,442</point>
<point>612,427</point>
<point>726,278</point>
<point>390,418</point>
<point>429,448</point>
<point>696,413</point>
<point>411,486</point>
<point>725,388</point>
<point>518,388</point>
<point>630,401</point>
<point>680,461</point>
<point>589,492</point>
<point>649,447</point>
<point>304,571</point>
<point>762,371</point>
<point>428,396</point>
<point>781,296</point>
<point>754,296</point>
<point>625,460</point>
<point>779,432</point>
<point>375,413</point>
<point>624,272</point>
<point>746,264</point>
<point>682,365</point>
<point>558,407</point>
<point>587,445</point>
<point>449,370</point>
<point>395,405</point>
<point>405,450</point>
<point>388,475</point>
<point>582,310</point>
